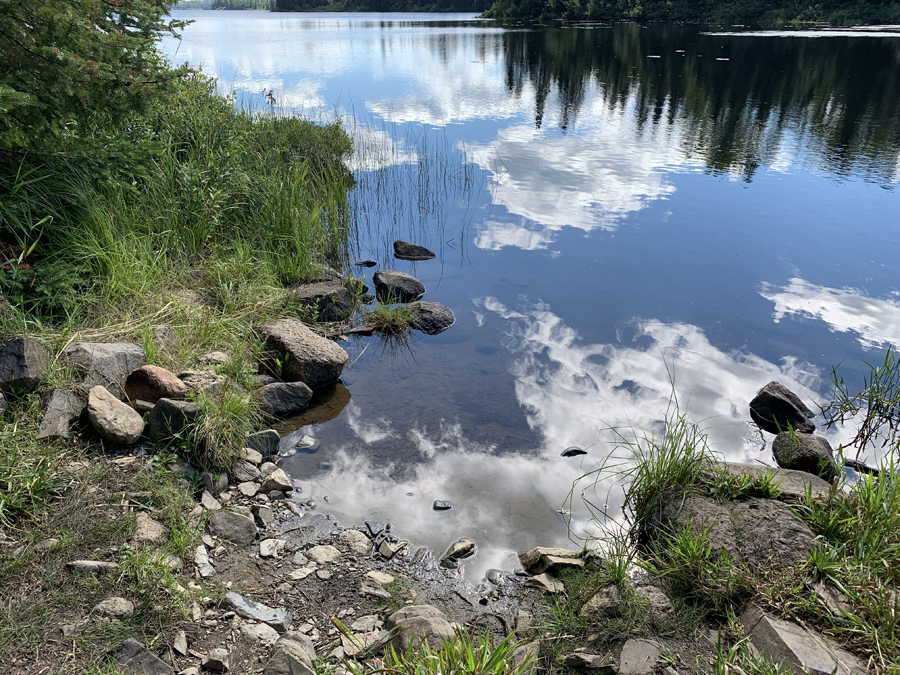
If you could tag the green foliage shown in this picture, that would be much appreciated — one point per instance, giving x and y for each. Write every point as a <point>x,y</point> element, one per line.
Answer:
<point>74,61</point>
<point>379,5</point>
<point>226,419</point>
<point>390,318</point>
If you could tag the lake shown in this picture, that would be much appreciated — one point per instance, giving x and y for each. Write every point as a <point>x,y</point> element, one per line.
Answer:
<point>623,215</point>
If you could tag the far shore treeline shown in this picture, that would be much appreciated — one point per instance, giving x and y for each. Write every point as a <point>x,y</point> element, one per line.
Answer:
<point>728,12</point>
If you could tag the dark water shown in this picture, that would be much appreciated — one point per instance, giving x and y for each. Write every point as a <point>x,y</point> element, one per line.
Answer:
<point>619,211</point>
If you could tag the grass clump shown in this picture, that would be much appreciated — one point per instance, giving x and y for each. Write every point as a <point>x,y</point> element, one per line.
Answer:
<point>391,318</point>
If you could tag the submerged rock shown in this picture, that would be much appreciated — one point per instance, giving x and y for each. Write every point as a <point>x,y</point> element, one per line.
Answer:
<point>366,263</point>
<point>805,452</point>
<point>404,250</point>
<point>21,363</point>
<point>775,408</point>
<point>391,286</point>
<point>304,356</point>
<point>283,399</point>
<point>431,317</point>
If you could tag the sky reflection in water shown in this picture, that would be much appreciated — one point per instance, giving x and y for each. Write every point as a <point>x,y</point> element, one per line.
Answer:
<point>626,226</point>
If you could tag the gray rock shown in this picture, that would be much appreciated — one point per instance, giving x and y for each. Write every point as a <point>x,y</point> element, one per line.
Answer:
<point>417,624</point>
<point>541,559</point>
<point>136,659</point>
<point>294,654</point>
<point>148,530</point>
<point>372,588</point>
<point>3,404</point>
<point>260,632</point>
<point>180,644</point>
<point>95,567</point>
<point>404,250</point>
<point>388,549</point>
<point>271,548</point>
<point>165,338</point>
<point>115,607</point>
<point>213,359</point>
<point>277,480</point>
<point>460,549</point>
<point>775,407</point>
<point>805,452</point>
<point>431,317</point>
<point>62,409</point>
<point>218,660</point>
<point>283,399</point>
<point>106,364</point>
<point>661,608</point>
<point>21,363</point>
<point>327,300</point>
<point>607,603</point>
<point>584,661</point>
<point>638,657</point>
<point>201,560</point>
<point>525,657</point>
<point>215,483</point>
<point>264,442</point>
<point>252,456</point>
<point>232,527</point>
<point>305,357</point>
<point>151,383</point>
<point>355,541</point>
<point>279,619</point>
<point>264,515</point>
<point>441,505</point>
<point>243,471</point>
<point>797,649</point>
<point>169,418</point>
<point>391,286</point>
<point>792,484</point>
<point>205,381</point>
<point>112,419</point>
<point>323,554</point>
<point>208,502</point>
<point>547,583</point>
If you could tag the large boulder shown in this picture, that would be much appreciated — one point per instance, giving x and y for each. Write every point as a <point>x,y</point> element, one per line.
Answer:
<point>112,419</point>
<point>407,251</point>
<point>327,300</point>
<point>775,408</point>
<point>264,442</point>
<point>169,418</point>
<point>805,452</point>
<point>793,486</point>
<point>305,357</point>
<point>417,624</point>
<point>283,399</point>
<point>431,317</point>
<point>62,408</point>
<point>105,363</point>
<point>762,532</point>
<point>391,286</point>
<point>21,364</point>
<point>151,383</point>
<point>294,654</point>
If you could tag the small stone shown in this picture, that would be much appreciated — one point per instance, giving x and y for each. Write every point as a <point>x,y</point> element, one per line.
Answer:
<point>170,418</point>
<point>279,619</point>
<point>775,408</point>
<point>215,483</point>
<point>661,608</point>
<point>440,505</point>
<point>375,527</point>
<point>244,471</point>
<point>324,575</point>
<point>834,600</point>
<point>323,554</point>
<point>539,560</point>
<point>271,548</point>
<point>21,363</point>
<point>252,456</point>
<point>45,545</point>
<point>264,515</point>
<point>213,359</point>
<point>264,442</point>
<point>205,381</point>
<point>366,624</point>
<point>233,527</point>
<point>277,480</point>
<point>201,560</point>
<point>417,624</point>
<point>546,583</point>
<point>149,530</point>
<point>527,653</point>
<point>248,489</point>
<point>218,660</point>
<point>355,541</point>
<point>301,574</point>
<point>371,588</point>
<point>260,632</point>
<point>638,657</point>
<point>114,607</point>
<point>460,549</point>
<point>583,661</point>
<point>151,383</point>
<point>138,660</point>
<point>380,577</point>
<point>573,451</point>
<point>404,250</point>
<point>607,603</point>
<point>180,644</point>
<point>208,502</point>
<point>393,287</point>
<point>388,550</point>
<point>805,452</point>
<point>92,566</point>
<point>69,630</point>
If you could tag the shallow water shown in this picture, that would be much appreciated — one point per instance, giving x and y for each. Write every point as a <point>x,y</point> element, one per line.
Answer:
<point>618,211</point>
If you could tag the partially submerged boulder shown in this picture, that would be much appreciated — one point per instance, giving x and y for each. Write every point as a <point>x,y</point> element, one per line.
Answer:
<point>404,250</point>
<point>283,399</point>
<point>105,363</point>
<point>112,419</point>
<point>391,286</point>
<point>21,363</point>
<point>304,356</point>
<point>328,300</point>
<point>805,452</point>
<point>775,408</point>
<point>431,317</point>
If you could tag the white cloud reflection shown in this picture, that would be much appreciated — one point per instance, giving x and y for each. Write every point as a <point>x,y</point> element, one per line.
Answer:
<point>875,321</point>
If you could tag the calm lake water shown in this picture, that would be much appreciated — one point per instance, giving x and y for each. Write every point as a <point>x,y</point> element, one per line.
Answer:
<point>618,211</point>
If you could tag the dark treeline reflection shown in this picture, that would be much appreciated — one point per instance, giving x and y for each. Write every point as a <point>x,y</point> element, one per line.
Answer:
<point>839,97</point>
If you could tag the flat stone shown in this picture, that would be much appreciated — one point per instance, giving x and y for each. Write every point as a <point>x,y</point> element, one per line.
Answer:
<point>233,527</point>
<point>208,502</point>
<point>797,649</point>
<point>92,566</point>
<point>393,287</point>
<point>302,573</point>
<point>607,603</point>
<point>62,409</point>
<point>834,600</point>
<point>358,642</point>
<point>540,559</point>
<point>264,442</point>
<point>279,619</point>
<point>218,660</point>
<point>215,483</point>
<point>381,578</point>
<point>105,364</point>
<point>149,530</point>
<point>22,361</point>
<point>277,480</point>
<point>280,400</point>
<point>243,471</point>
<point>324,575</point>
<point>355,541</point>
<point>151,383</point>
<point>593,662</point>
<point>460,549</point>
<point>418,624</point>
<point>431,318</point>
<point>201,560</point>
<point>404,250</point>
<point>180,644</point>
<point>367,623</point>
<point>294,654</point>
<point>112,419</point>
<point>305,356</point>
<point>248,489</point>
<point>203,381</point>
<point>638,657</point>
<point>260,632</point>
<point>388,549</point>
<point>170,418</point>
<point>369,587</point>
<point>271,548</point>
<point>546,583</point>
<point>323,554</point>
<point>528,653</point>
<point>114,607</point>
<point>213,359</point>
<point>806,452</point>
<point>136,659</point>
<point>775,408</point>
